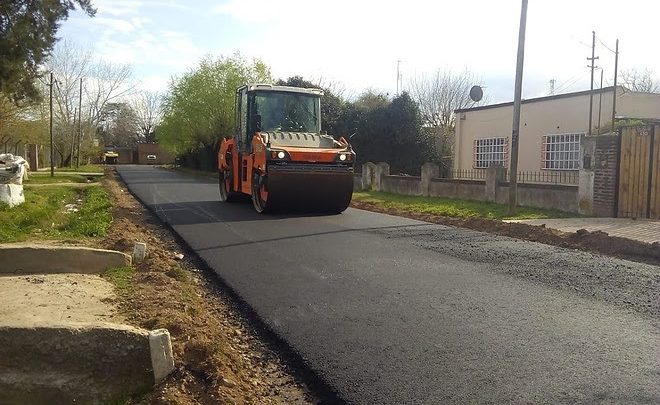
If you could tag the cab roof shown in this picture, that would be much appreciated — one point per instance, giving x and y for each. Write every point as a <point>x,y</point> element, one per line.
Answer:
<point>286,89</point>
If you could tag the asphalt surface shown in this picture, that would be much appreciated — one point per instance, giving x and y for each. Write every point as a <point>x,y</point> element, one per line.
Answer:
<point>389,310</point>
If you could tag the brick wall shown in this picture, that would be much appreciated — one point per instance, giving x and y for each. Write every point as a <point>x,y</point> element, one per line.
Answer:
<point>605,166</point>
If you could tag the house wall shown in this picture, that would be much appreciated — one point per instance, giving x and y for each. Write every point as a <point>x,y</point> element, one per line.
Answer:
<point>551,116</point>
<point>638,105</point>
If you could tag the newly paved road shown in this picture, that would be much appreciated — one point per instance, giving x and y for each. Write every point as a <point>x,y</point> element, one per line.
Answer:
<point>394,311</point>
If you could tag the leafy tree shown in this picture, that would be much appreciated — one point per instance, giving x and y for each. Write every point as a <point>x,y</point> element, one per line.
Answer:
<point>198,108</point>
<point>27,36</point>
<point>390,131</point>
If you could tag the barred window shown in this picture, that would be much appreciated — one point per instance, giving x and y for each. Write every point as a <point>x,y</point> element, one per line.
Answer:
<point>561,152</point>
<point>489,152</point>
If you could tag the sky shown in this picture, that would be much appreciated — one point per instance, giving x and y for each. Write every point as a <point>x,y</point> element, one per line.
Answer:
<point>356,44</point>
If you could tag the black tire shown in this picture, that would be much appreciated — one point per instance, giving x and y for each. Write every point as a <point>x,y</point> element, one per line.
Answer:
<point>260,205</point>
<point>225,185</point>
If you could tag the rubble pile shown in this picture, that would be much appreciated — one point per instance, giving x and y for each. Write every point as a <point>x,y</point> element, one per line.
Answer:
<point>13,169</point>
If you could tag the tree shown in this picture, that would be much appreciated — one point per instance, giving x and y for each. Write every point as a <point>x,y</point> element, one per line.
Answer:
<point>438,96</point>
<point>103,83</point>
<point>198,108</point>
<point>119,125</point>
<point>389,131</point>
<point>27,36</point>
<point>641,81</point>
<point>147,108</point>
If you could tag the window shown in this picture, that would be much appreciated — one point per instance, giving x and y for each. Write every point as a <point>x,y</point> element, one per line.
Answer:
<point>561,152</point>
<point>490,152</point>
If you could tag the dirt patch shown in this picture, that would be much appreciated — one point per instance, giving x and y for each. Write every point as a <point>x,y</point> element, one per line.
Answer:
<point>595,242</point>
<point>221,355</point>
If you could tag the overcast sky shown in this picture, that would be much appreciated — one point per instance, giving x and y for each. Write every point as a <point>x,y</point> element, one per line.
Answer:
<point>357,43</point>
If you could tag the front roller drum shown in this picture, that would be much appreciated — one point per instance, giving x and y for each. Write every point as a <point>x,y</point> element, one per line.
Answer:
<point>307,191</point>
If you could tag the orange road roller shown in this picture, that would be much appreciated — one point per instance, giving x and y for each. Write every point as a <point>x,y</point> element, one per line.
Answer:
<point>279,156</point>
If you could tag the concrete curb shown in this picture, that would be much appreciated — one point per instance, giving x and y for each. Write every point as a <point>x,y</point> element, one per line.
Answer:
<point>80,363</point>
<point>23,258</point>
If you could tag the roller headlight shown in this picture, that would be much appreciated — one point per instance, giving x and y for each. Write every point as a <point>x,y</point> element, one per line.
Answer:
<point>281,155</point>
<point>342,157</point>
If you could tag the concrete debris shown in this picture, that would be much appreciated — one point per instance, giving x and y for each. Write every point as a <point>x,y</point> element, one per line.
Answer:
<point>178,256</point>
<point>139,252</point>
<point>13,169</point>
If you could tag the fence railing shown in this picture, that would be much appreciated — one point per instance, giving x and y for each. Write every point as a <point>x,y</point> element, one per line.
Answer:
<point>541,177</point>
<point>467,175</point>
<point>564,178</point>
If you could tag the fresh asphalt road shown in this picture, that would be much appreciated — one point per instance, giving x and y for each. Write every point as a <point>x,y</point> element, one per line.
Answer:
<point>389,310</point>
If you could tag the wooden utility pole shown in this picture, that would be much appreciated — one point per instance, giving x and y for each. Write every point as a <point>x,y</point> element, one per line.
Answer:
<point>592,66</point>
<point>513,170</point>
<point>79,125</point>
<point>52,155</point>
<point>616,71</point>
<point>600,98</point>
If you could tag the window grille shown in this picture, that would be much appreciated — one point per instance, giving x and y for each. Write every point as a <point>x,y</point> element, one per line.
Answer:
<point>489,152</point>
<point>561,152</point>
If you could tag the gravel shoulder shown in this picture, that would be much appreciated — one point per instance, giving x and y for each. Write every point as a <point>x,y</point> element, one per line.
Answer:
<point>222,355</point>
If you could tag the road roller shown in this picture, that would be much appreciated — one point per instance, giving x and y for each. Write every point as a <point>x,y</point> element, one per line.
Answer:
<point>280,158</point>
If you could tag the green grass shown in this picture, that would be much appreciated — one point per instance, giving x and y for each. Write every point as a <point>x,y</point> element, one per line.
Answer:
<point>44,178</point>
<point>121,277</point>
<point>43,215</point>
<point>448,207</point>
<point>82,169</point>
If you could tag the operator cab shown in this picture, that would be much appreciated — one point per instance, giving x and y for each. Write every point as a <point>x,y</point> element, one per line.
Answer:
<point>286,116</point>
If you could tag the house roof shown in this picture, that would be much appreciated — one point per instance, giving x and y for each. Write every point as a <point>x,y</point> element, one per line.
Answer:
<point>545,98</point>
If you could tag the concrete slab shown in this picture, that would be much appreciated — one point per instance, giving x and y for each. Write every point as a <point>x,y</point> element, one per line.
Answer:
<point>32,258</point>
<point>647,231</point>
<point>56,298</point>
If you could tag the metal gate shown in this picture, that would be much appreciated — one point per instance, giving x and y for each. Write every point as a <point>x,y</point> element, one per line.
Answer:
<point>639,173</point>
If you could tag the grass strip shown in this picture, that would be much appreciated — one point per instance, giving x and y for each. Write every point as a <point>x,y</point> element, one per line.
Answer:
<point>455,208</point>
<point>44,215</point>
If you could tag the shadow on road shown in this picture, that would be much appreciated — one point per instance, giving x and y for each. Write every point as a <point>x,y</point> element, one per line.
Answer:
<point>202,212</point>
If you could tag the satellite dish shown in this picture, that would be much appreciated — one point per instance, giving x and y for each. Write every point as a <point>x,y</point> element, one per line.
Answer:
<point>476,93</point>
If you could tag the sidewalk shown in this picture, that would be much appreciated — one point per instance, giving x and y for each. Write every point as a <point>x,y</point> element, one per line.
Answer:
<point>642,230</point>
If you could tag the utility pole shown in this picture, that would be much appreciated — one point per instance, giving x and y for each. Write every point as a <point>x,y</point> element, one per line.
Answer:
<point>592,66</point>
<point>600,98</point>
<point>52,156</point>
<point>398,76</point>
<point>552,87</point>
<point>513,175</point>
<point>616,71</point>
<point>73,137</point>
<point>79,125</point>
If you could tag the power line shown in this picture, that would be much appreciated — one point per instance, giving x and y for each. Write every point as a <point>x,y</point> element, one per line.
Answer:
<point>606,47</point>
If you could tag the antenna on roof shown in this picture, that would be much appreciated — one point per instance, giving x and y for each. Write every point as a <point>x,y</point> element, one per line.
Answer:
<point>476,93</point>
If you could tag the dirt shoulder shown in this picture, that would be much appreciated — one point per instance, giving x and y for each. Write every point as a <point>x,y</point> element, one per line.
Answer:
<point>222,353</point>
<point>595,242</point>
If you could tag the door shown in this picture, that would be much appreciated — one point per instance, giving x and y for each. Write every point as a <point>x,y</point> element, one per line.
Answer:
<point>639,173</point>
